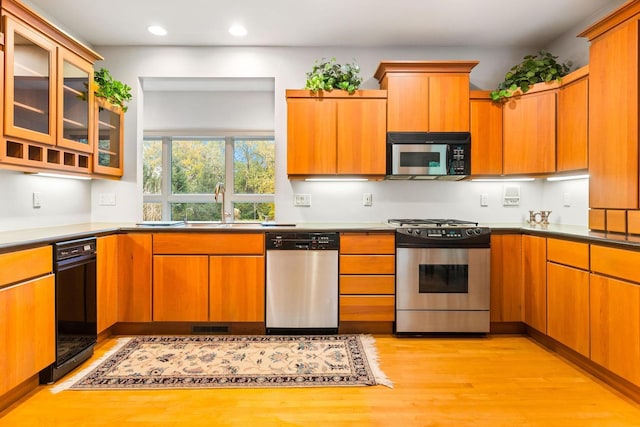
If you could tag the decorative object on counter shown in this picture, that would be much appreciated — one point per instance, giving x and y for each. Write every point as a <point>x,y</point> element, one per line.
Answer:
<point>541,217</point>
<point>541,67</point>
<point>114,91</point>
<point>326,74</point>
<point>214,361</point>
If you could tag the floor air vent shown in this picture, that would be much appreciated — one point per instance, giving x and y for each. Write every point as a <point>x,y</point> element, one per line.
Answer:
<point>210,330</point>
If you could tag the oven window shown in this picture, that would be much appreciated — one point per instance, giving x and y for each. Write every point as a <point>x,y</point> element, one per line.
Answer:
<point>420,159</point>
<point>443,279</point>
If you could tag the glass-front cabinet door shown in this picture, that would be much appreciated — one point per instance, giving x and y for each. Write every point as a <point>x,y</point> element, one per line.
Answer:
<point>29,84</point>
<point>75,102</point>
<point>107,157</point>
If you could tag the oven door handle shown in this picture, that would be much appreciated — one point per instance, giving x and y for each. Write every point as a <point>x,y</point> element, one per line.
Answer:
<point>66,264</point>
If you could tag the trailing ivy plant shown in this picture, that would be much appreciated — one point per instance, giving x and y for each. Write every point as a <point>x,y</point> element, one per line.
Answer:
<point>541,67</point>
<point>114,91</point>
<point>326,74</point>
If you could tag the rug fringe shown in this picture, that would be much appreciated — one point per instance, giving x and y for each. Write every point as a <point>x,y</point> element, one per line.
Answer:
<point>67,383</point>
<point>369,345</point>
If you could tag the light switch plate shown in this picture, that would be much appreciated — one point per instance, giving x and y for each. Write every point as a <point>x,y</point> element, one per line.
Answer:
<point>37,199</point>
<point>107,199</point>
<point>302,200</point>
<point>367,199</point>
<point>484,199</point>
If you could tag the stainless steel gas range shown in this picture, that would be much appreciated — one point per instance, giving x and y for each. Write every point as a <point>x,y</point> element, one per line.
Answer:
<point>442,276</point>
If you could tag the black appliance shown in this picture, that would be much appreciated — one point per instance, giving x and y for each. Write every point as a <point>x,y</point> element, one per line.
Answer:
<point>442,276</point>
<point>428,155</point>
<point>76,306</point>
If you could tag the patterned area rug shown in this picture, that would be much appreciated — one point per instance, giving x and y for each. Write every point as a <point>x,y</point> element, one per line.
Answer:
<point>149,362</point>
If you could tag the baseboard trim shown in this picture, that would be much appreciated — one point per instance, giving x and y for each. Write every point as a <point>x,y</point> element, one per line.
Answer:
<point>187,328</point>
<point>16,394</point>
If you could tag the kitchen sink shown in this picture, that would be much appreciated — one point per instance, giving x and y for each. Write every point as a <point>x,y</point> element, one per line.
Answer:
<point>216,224</point>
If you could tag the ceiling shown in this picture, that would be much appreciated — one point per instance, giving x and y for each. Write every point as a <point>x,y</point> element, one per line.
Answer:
<point>486,23</point>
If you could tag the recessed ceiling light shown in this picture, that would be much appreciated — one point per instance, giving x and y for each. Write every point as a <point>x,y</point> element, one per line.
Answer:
<point>157,30</point>
<point>238,30</point>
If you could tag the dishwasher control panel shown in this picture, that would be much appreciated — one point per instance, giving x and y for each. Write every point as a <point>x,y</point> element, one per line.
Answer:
<point>299,241</point>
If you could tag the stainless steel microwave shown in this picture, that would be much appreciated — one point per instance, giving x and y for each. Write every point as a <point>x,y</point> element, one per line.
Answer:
<point>428,155</point>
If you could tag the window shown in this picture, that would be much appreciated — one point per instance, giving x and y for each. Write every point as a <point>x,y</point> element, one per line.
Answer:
<point>180,175</point>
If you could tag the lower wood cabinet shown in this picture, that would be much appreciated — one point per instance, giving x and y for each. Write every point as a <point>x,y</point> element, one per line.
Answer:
<point>367,277</point>
<point>134,278</point>
<point>180,288</point>
<point>107,281</point>
<point>236,288</point>
<point>27,330</point>
<point>506,278</point>
<point>534,257</point>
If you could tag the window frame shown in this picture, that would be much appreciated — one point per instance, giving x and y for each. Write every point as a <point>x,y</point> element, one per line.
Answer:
<point>166,197</point>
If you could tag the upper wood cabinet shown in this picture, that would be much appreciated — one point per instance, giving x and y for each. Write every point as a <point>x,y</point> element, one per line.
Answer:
<point>109,139</point>
<point>48,97</point>
<point>334,133</point>
<point>529,131</point>
<point>573,119</point>
<point>426,96</point>
<point>486,134</point>
<point>614,101</point>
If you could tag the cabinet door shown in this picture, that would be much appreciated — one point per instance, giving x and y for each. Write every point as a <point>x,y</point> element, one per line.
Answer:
<point>568,306</point>
<point>449,103</point>
<point>134,281</point>
<point>486,137</point>
<point>573,111</point>
<point>180,288</point>
<point>613,118</point>
<point>109,138</point>
<point>236,288</point>
<point>75,102</point>
<point>530,134</point>
<point>615,326</point>
<point>311,136</point>
<point>107,281</point>
<point>407,102</point>
<point>534,256</point>
<point>27,330</point>
<point>30,78</point>
<point>362,135</point>
<point>506,278</point>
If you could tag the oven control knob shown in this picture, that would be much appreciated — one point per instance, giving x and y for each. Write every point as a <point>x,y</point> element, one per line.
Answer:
<point>468,232</point>
<point>418,231</point>
<point>477,231</point>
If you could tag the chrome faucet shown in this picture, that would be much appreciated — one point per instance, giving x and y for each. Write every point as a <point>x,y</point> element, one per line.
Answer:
<point>219,191</point>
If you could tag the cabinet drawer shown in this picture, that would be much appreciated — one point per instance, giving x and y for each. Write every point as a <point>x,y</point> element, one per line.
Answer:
<point>615,262</point>
<point>570,253</point>
<point>367,308</point>
<point>23,265</point>
<point>209,243</point>
<point>367,243</point>
<point>367,285</point>
<point>367,264</point>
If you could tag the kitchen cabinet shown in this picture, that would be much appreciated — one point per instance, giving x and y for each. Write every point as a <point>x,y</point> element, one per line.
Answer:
<point>615,311</point>
<point>134,277</point>
<point>613,109</point>
<point>180,288</point>
<point>27,315</point>
<point>486,134</point>
<point>573,119</point>
<point>217,277</point>
<point>107,281</point>
<point>109,137</point>
<point>334,133</point>
<point>529,131</point>
<point>426,96</point>
<point>48,109</point>
<point>367,277</point>
<point>534,266</point>
<point>568,294</point>
<point>506,278</point>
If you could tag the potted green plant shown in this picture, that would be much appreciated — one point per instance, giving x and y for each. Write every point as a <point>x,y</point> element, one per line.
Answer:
<point>114,91</point>
<point>326,74</point>
<point>541,67</point>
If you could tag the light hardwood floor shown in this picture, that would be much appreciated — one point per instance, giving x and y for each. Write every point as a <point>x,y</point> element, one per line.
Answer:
<point>495,381</point>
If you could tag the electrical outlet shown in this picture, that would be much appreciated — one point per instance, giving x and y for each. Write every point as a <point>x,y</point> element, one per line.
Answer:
<point>302,200</point>
<point>484,199</point>
<point>37,199</point>
<point>367,199</point>
<point>107,199</point>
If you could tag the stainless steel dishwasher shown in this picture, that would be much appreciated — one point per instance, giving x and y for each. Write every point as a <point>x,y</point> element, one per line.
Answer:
<point>302,282</point>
